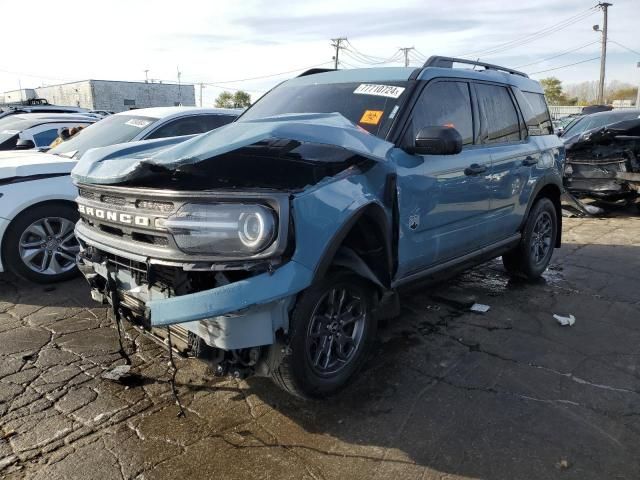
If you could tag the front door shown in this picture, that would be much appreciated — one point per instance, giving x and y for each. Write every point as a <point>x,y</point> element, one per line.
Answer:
<point>443,199</point>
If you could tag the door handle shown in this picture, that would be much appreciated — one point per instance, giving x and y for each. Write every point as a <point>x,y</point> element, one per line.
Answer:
<point>475,169</point>
<point>529,161</point>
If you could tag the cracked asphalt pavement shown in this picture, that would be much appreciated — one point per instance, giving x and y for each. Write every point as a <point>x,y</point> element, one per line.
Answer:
<point>448,393</point>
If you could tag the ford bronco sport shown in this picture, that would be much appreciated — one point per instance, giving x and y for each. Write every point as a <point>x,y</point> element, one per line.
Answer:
<point>272,245</point>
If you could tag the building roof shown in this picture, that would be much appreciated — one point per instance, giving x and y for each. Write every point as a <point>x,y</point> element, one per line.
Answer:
<point>111,81</point>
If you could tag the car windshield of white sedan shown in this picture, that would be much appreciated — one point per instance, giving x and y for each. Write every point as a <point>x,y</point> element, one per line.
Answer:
<point>14,124</point>
<point>108,131</point>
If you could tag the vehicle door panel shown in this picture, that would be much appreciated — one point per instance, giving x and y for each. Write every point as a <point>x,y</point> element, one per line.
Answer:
<point>442,208</point>
<point>503,134</point>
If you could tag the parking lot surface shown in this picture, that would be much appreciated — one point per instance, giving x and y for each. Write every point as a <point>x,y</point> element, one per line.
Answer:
<point>509,394</point>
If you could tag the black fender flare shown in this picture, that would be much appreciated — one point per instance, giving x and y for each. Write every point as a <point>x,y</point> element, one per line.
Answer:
<point>377,214</point>
<point>547,180</point>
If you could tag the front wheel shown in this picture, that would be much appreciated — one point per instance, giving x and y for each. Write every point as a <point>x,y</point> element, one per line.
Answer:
<point>332,330</point>
<point>40,245</point>
<point>533,254</point>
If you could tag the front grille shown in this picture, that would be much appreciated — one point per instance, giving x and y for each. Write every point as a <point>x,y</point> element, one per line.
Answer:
<point>84,193</point>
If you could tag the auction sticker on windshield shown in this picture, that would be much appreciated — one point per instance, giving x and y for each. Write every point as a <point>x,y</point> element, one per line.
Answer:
<point>371,117</point>
<point>137,122</point>
<point>389,91</point>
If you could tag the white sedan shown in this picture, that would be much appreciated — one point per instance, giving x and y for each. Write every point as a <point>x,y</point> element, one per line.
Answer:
<point>37,197</point>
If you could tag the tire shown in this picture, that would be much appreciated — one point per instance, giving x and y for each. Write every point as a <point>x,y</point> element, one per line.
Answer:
<point>39,244</point>
<point>532,255</point>
<point>313,367</point>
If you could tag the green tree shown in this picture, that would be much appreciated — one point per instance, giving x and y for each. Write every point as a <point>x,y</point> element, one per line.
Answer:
<point>240,99</point>
<point>624,93</point>
<point>553,90</point>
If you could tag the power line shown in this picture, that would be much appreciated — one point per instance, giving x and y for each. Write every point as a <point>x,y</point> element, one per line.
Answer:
<point>535,35</point>
<point>558,55</point>
<point>271,75</point>
<point>395,58</point>
<point>368,61</point>
<point>624,46</point>
<point>565,66</point>
<point>364,55</point>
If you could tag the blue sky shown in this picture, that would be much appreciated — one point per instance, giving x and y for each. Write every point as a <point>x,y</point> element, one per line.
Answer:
<point>223,42</point>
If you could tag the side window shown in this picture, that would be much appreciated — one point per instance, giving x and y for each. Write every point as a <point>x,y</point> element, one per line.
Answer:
<point>443,103</point>
<point>498,115</point>
<point>212,122</point>
<point>535,111</point>
<point>45,137</point>
<point>180,127</point>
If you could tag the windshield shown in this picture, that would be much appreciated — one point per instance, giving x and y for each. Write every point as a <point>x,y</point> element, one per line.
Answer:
<point>370,106</point>
<point>108,131</point>
<point>13,124</point>
<point>596,121</point>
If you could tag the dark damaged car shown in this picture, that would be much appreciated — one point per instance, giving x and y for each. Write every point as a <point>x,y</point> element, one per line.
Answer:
<point>273,245</point>
<point>604,163</point>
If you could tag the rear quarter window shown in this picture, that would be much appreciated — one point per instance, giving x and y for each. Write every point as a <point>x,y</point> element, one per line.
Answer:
<point>536,113</point>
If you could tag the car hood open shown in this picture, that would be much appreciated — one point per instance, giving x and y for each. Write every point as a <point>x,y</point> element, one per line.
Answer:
<point>104,166</point>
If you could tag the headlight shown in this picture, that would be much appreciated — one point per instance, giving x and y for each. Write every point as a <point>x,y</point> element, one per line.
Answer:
<point>223,228</point>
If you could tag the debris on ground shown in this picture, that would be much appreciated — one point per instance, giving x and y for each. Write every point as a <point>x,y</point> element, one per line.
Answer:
<point>574,207</point>
<point>563,464</point>
<point>479,308</point>
<point>564,320</point>
<point>116,373</point>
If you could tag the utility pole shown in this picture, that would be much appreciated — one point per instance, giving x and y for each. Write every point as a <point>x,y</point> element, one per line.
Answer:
<point>201,87</point>
<point>405,51</point>
<point>638,94</point>
<point>179,87</point>
<point>603,56</point>
<point>146,81</point>
<point>337,44</point>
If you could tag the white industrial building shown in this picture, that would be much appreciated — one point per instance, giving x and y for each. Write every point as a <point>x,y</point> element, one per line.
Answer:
<point>113,96</point>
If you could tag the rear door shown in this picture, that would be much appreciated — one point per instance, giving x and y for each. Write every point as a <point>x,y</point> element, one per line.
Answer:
<point>504,136</point>
<point>443,199</point>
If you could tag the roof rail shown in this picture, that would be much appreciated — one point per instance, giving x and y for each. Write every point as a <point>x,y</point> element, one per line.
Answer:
<point>313,71</point>
<point>447,62</point>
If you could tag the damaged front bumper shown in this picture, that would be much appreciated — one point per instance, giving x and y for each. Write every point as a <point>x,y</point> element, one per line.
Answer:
<point>604,163</point>
<point>242,314</point>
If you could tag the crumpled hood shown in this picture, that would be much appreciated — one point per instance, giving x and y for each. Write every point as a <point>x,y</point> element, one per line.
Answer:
<point>104,166</point>
<point>24,164</point>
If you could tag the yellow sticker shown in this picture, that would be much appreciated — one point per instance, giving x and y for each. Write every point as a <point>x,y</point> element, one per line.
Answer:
<point>371,117</point>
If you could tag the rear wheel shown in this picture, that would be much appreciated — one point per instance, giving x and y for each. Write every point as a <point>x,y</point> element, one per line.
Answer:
<point>332,330</point>
<point>533,254</point>
<point>40,245</point>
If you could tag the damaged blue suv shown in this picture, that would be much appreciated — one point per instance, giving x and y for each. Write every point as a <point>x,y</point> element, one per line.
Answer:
<point>272,245</point>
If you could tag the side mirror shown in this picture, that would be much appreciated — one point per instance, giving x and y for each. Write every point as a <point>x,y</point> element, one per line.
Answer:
<point>24,144</point>
<point>438,140</point>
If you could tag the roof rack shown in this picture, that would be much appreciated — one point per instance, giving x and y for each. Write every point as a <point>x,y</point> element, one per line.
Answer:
<point>447,62</point>
<point>313,71</point>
